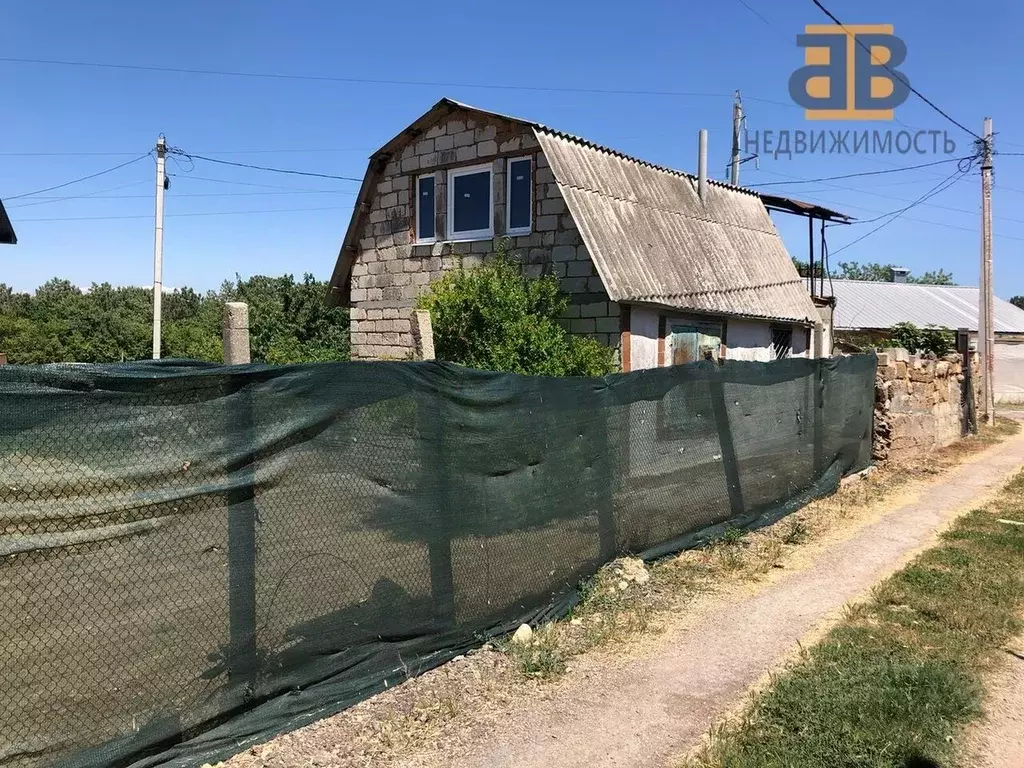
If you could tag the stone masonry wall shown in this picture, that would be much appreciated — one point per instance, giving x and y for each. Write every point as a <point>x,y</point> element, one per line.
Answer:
<point>391,271</point>
<point>919,405</point>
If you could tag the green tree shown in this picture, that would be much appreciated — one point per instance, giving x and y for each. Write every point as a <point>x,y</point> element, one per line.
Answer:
<point>852,270</point>
<point>1018,301</point>
<point>495,318</point>
<point>62,323</point>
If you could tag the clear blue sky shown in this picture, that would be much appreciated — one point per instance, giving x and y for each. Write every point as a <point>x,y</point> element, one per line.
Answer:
<point>969,68</point>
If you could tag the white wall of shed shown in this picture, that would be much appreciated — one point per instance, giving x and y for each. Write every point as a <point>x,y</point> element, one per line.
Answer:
<point>643,338</point>
<point>749,340</point>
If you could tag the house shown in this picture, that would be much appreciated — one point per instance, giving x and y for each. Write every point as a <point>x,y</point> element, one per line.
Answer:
<point>867,310</point>
<point>654,269</point>
<point>7,236</point>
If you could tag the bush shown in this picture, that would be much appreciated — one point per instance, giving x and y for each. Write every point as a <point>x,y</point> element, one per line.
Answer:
<point>938,341</point>
<point>495,318</point>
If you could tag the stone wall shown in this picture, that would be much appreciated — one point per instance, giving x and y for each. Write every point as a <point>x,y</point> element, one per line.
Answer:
<point>391,271</point>
<point>919,403</point>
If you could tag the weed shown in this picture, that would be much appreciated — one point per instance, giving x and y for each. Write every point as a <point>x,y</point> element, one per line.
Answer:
<point>732,536</point>
<point>541,656</point>
<point>796,532</point>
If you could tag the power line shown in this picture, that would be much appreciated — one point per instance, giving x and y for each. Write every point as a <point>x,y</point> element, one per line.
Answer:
<point>896,75</point>
<point>894,215</point>
<point>76,181</point>
<point>98,194</point>
<point>262,167</point>
<point>862,173</point>
<point>369,81</point>
<point>192,194</point>
<point>749,8</point>
<point>182,215</point>
<point>209,152</point>
<point>191,177</point>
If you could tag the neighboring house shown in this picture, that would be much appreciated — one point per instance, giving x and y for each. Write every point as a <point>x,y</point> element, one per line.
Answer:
<point>7,236</point>
<point>652,269</point>
<point>869,309</point>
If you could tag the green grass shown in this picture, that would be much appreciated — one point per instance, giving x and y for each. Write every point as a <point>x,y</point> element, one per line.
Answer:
<point>898,679</point>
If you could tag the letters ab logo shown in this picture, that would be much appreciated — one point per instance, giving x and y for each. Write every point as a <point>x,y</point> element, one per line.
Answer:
<point>849,72</point>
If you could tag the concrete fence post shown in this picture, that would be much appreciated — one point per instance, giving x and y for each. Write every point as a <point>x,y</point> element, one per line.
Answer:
<point>423,333</point>
<point>235,333</point>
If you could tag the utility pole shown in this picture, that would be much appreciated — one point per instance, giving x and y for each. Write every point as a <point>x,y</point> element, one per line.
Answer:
<point>737,121</point>
<point>158,243</point>
<point>986,315</point>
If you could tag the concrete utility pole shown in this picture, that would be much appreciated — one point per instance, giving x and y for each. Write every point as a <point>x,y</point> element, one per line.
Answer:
<point>158,243</point>
<point>737,121</point>
<point>986,315</point>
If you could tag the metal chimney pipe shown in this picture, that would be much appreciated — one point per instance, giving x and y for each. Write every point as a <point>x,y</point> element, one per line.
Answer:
<point>702,164</point>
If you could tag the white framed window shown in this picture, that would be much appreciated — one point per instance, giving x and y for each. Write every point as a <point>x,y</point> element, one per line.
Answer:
<point>426,191</point>
<point>519,195</point>
<point>470,203</point>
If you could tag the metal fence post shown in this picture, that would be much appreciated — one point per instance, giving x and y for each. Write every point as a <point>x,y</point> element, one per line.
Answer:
<point>727,445</point>
<point>242,658</point>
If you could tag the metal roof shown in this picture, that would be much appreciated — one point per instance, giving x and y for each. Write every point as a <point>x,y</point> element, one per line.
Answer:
<point>653,240</point>
<point>864,305</point>
<point>7,236</point>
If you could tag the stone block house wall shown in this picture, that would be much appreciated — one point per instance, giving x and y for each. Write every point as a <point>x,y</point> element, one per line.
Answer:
<point>391,269</point>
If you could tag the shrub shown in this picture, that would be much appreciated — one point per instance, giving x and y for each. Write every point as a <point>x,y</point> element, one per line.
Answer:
<point>938,341</point>
<point>495,318</point>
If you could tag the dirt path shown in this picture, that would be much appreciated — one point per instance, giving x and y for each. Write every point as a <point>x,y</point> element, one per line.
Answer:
<point>998,741</point>
<point>646,711</point>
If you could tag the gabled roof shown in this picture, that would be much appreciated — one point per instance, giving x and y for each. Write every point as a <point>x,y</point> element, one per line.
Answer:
<point>650,236</point>
<point>7,236</point>
<point>865,305</point>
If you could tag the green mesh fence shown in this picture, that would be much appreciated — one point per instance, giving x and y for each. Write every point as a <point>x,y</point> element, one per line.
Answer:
<point>193,557</point>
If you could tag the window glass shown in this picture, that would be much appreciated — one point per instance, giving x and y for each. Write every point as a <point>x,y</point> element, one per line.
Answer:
<point>519,186</point>
<point>425,209</point>
<point>471,199</point>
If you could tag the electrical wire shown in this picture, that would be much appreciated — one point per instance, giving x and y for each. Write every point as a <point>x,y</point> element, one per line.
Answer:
<point>896,74</point>
<point>749,8</point>
<point>369,81</point>
<point>892,216</point>
<point>178,152</point>
<point>97,195</point>
<point>863,173</point>
<point>182,215</point>
<point>192,177</point>
<point>76,181</point>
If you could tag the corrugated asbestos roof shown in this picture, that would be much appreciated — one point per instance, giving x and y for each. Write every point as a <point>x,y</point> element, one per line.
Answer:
<point>864,305</point>
<point>653,240</point>
<point>7,236</point>
<point>648,233</point>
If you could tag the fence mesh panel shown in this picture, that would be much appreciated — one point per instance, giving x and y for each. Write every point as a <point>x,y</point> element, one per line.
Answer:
<point>194,557</point>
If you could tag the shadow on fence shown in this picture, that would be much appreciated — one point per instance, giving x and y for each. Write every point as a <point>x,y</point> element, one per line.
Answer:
<point>196,557</point>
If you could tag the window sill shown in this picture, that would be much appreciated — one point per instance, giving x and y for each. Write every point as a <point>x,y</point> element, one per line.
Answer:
<point>520,232</point>
<point>470,238</point>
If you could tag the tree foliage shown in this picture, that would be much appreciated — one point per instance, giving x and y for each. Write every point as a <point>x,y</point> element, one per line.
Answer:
<point>289,322</point>
<point>881,273</point>
<point>938,341</point>
<point>495,318</point>
<point>1017,301</point>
